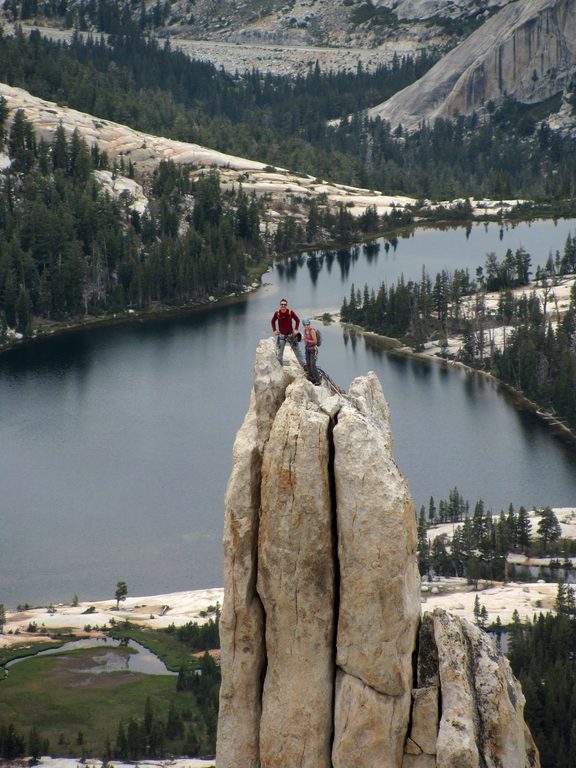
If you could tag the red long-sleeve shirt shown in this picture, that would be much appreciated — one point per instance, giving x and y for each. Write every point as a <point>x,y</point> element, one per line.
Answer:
<point>284,320</point>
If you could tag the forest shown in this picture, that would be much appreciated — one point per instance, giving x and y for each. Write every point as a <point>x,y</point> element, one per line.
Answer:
<point>68,249</point>
<point>481,540</point>
<point>536,356</point>
<point>133,79</point>
<point>542,654</point>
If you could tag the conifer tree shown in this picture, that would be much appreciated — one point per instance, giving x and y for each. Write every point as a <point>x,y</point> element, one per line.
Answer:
<point>549,529</point>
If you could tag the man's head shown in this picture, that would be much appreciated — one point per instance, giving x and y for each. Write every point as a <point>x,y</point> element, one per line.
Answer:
<point>283,305</point>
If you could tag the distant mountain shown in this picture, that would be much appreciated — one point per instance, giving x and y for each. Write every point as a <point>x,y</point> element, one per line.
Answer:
<point>494,49</point>
<point>360,23</point>
<point>526,52</point>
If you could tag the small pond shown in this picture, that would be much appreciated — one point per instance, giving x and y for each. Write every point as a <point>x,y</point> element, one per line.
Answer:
<point>111,656</point>
<point>518,572</point>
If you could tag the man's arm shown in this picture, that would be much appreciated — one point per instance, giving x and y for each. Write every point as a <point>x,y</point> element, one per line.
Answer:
<point>274,318</point>
<point>296,319</point>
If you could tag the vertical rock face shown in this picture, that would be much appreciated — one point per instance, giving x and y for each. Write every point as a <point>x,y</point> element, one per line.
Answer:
<point>242,620</point>
<point>379,604</point>
<point>296,586</point>
<point>379,582</point>
<point>321,627</point>
<point>526,51</point>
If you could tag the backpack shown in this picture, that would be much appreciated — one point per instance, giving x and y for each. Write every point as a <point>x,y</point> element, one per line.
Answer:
<point>318,337</point>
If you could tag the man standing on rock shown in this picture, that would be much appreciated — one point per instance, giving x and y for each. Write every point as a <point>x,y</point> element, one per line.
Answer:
<point>285,332</point>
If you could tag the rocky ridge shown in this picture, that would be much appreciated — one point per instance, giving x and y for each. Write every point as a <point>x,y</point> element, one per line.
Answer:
<point>288,37</point>
<point>268,54</point>
<point>283,190</point>
<point>524,50</point>
<point>321,619</point>
<point>325,23</point>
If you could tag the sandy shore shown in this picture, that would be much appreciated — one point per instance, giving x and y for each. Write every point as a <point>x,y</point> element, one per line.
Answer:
<point>454,595</point>
<point>156,611</point>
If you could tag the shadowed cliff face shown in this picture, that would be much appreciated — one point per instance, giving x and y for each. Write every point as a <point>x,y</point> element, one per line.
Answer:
<point>320,628</point>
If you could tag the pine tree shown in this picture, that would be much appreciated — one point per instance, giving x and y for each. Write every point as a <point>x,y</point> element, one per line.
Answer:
<point>21,143</point>
<point>4,114</point>
<point>60,149</point>
<point>549,529</point>
<point>24,313</point>
<point>148,716</point>
<point>174,724</point>
<point>12,743</point>
<point>10,298</point>
<point>37,746</point>
<point>523,529</point>
<point>192,743</point>
<point>423,547</point>
<point>476,610</point>
<point>121,751</point>
<point>431,511</point>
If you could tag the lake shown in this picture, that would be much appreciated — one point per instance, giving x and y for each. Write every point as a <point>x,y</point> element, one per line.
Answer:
<point>115,443</point>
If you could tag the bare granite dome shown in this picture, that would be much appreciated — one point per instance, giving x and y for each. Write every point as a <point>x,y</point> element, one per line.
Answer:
<point>326,661</point>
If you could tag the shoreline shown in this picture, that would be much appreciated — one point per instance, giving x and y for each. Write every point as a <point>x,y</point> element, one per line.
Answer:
<point>394,346</point>
<point>159,311</point>
<point>158,612</point>
<point>127,316</point>
<point>154,611</point>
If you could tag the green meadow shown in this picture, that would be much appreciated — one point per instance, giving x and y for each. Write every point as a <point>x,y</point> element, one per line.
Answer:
<point>85,712</point>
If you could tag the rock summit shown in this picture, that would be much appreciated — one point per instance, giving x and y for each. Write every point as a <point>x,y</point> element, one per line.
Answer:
<point>326,659</point>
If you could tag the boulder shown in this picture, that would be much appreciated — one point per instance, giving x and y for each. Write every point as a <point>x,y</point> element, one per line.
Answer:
<point>369,727</point>
<point>482,722</point>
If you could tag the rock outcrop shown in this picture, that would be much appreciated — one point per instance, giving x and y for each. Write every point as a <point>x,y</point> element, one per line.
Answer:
<point>146,152</point>
<point>312,25</point>
<point>325,658</point>
<point>467,706</point>
<point>527,51</point>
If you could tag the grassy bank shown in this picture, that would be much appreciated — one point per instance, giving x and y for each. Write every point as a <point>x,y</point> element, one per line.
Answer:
<point>165,646</point>
<point>89,703</point>
<point>76,710</point>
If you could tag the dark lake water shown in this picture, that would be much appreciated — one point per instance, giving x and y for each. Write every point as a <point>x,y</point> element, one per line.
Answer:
<point>115,443</point>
